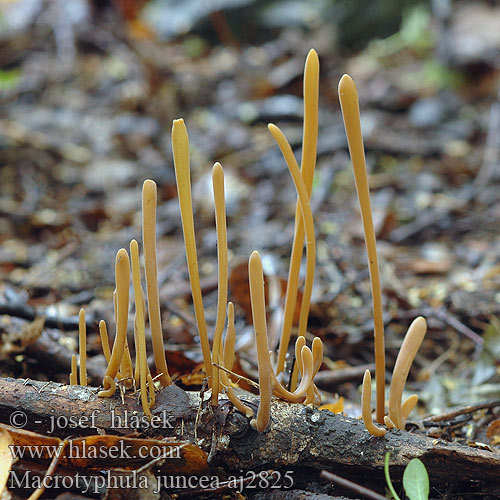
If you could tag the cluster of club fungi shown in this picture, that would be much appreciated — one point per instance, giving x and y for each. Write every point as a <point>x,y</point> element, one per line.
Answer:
<point>218,359</point>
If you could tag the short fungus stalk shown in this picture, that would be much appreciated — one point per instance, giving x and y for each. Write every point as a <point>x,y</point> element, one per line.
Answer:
<point>348,96</point>
<point>308,223</point>
<point>230,340</point>
<point>149,197</point>
<point>137,363</point>
<point>228,358</point>
<point>256,279</point>
<point>73,376</point>
<point>126,373</point>
<point>180,146</point>
<point>220,222</point>
<point>313,396</point>
<point>140,326</point>
<point>82,330</point>
<point>305,365</point>
<point>103,334</point>
<point>411,343</point>
<point>122,277</point>
<point>407,406</point>
<point>151,388</point>
<point>366,407</point>
<point>267,378</point>
<point>308,164</point>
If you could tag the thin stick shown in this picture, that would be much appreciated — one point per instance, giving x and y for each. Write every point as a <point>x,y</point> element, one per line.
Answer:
<point>46,480</point>
<point>308,164</point>
<point>357,488</point>
<point>82,330</point>
<point>220,222</point>
<point>238,376</point>
<point>150,264</point>
<point>348,96</point>
<point>180,146</point>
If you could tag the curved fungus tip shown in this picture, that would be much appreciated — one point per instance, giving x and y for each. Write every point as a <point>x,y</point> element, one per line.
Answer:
<point>366,410</point>
<point>346,84</point>
<point>388,422</point>
<point>411,343</point>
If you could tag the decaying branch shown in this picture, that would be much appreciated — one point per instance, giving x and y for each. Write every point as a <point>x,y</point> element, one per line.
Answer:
<point>297,434</point>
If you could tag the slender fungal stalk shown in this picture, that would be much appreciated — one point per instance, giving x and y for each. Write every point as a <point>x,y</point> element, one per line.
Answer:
<point>103,334</point>
<point>308,164</point>
<point>73,376</point>
<point>220,222</point>
<point>348,96</point>
<point>407,406</point>
<point>137,363</point>
<point>305,364</point>
<point>366,407</point>
<point>411,343</point>
<point>180,146</point>
<point>140,326</point>
<point>305,205</point>
<point>82,330</point>
<point>313,396</point>
<point>122,277</point>
<point>149,243</point>
<point>151,387</point>
<point>256,278</point>
<point>228,357</point>
<point>230,339</point>
<point>126,374</point>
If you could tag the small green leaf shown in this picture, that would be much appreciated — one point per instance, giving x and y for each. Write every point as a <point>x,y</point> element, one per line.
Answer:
<point>416,480</point>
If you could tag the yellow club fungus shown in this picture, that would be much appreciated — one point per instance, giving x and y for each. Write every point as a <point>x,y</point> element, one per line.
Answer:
<point>228,358</point>
<point>149,242</point>
<point>103,334</point>
<point>180,146</point>
<point>73,376</point>
<point>140,327</point>
<point>220,222</point>
<point>308,164</point>
<point>256,278</point>
<point>308,223</point>
<point>348,96</point>
<point>122,277</point>
<point>411,343</point>
<point>366,407</point>
<point>82,330</point>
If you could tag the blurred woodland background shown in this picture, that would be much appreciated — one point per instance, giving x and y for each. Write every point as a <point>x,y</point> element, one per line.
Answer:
<point>88,92</point>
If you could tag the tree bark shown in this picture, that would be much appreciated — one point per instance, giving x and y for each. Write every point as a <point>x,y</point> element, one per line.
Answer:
<point>297,436</point>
